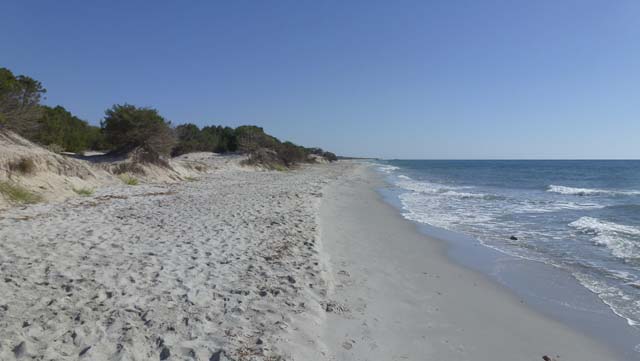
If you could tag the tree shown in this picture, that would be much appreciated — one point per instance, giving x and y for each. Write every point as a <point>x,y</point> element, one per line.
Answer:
<point>20,102</point>
<point>127,127</point>
<point>251,138</point>
<point>58,126</point>
<point>291,153</point>
<point>189,139</point>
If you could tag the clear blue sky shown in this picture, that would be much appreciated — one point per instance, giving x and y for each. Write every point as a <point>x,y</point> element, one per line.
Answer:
<point>395,79</point>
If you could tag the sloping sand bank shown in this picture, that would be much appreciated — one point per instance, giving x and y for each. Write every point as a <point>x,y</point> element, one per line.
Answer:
<point>398,297</point>
<point>203,270</point>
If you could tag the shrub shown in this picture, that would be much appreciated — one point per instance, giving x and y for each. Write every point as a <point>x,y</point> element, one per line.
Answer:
<point>23,166</point>
<point>331,157</point>
<point>128,167</point>
<point>17,194</point>
<point>127,127</point>
<point>85,192</point>
<point>266,158</point>
<point>55,148</point>
<point>129,180</point>
<point>291,154</point>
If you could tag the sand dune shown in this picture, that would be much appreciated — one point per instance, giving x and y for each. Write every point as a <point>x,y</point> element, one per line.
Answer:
<point>192,270</point>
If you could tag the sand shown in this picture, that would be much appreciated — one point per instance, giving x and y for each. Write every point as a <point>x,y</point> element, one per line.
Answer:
<point>249,265</point>
<point>200,270</point>
<point>399,297</point>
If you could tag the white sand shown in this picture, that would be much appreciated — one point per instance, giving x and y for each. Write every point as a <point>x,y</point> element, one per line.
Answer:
<point>180,270</point>
<point>230,266</point>
<point>398,297</point>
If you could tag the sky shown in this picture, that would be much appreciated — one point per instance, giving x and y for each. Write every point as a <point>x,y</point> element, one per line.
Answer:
<point>449,79</point>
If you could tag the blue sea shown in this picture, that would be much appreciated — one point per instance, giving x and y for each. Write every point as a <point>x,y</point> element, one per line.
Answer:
<point>581,216</point>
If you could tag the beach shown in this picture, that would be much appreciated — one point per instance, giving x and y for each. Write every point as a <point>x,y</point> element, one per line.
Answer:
<point>239,264</point>
<point>399,297</point>
<point>206,269</point>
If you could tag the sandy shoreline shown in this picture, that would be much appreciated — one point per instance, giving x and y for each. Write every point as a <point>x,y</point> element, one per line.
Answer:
<point>201,270</point>
<point>244,265</point>
<point>402,299</point>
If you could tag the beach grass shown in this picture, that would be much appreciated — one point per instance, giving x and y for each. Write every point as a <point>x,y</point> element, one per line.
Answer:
<point>84,192</point>
<point>18,194</point>
<point>23,166</point>
<point>129,180</point>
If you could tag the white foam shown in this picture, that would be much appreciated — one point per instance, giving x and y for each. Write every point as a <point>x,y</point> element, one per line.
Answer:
<point>387,168</point>
<point>611,296</point>
<point>616,237</point>
<point>537,207</point>
<point>588,191</point>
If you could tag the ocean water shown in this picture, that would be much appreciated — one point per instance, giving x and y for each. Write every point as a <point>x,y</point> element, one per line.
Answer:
<point>581,216</point>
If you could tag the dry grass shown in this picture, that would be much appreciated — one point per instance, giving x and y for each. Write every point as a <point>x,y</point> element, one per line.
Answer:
<point>23,166</point>
<point>128,167</point>
<point>84,192</point>
<point>17,194</point>
<point>129,180</point>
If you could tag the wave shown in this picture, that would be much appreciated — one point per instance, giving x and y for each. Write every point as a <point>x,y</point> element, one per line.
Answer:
<point>529,206</point>
<point>387,168</point>
<point>589,191</point>
<point>622,240</point>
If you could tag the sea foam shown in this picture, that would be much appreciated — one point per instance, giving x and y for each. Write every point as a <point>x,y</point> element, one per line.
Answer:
<point>589,191</point>
<point>618,238</point>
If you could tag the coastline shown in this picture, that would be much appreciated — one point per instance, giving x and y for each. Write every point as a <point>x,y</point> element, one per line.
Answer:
<point>311,264</point>
<point>399,296</point>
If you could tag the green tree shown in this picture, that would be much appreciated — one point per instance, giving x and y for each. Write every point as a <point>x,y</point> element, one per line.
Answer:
<point>189,139</point>
<point>127,127</point>
<point>251,138</point>
<point>58,126</point>
<point>20,102</point>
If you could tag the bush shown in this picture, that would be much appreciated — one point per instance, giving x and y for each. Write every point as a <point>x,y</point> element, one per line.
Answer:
<point>127,127</point>
<point>129,180</point>
<point>128,167</point>
<point>266,158</point>
<point>55,148</point>
<point>330,156</point>
<point>291,154</point>
<point>23,166</point>
<point>17,194</point>
<point>84,192</point>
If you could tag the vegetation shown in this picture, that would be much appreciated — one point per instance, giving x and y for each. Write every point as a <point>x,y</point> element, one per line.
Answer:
<point>263,148</point>
<point>129,180</point>
<point>20,102</point>
<point>85,192</point>
<point>126,127</point>
<point>58,127</point>
<point>17,194</point>
<point>23,166</point>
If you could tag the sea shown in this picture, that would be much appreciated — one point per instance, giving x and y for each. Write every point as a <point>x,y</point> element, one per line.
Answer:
<point>582,216</point>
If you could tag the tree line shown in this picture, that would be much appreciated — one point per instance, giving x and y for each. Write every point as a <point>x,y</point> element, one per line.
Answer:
<point>126,127</point>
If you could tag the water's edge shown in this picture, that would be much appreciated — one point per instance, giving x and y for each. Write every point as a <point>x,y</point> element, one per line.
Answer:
<point>549,290</point>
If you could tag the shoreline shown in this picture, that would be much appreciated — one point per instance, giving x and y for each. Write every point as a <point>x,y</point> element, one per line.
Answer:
<point>549,289</point>
<point>399,295</point>
<point>311,264</point>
